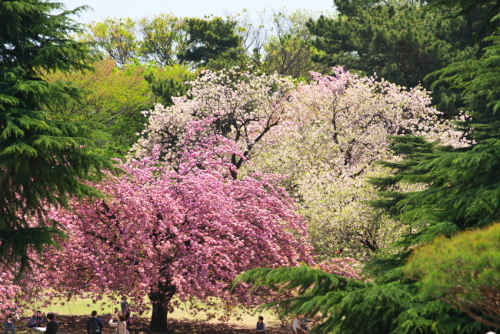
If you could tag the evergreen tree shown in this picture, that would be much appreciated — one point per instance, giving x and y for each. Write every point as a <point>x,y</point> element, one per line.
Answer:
<point>479,14</point>
<point>43,162</point>
<point>170,82</point>
<point>212,41</point>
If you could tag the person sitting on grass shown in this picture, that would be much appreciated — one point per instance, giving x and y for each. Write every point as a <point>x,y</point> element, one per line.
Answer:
<point>261,326</point>
<point>36,320</point>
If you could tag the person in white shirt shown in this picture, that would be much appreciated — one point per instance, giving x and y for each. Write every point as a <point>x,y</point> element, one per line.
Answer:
<point>296,326</point>
<point>119,324</point>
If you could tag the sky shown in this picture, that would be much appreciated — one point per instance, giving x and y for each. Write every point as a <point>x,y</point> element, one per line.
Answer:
<point>187,8</point>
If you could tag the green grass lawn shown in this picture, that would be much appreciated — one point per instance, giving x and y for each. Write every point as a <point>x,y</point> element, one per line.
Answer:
<point>79,307</point>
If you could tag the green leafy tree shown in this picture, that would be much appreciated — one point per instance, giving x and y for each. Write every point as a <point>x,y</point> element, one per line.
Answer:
<point>117,37</point>
<point>43,162</point>
<point>111,97</point>
<point>289,50</point>
<point>161,37</point>
<point>462,271</point>
<point>212,43</point>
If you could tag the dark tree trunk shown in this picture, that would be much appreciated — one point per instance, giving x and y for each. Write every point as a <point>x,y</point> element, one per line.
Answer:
<point>160,301</point>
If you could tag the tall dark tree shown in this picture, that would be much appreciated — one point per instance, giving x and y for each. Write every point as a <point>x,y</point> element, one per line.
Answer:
<point>42,162</point>
<point>479,14</point>
<point>212,41</point>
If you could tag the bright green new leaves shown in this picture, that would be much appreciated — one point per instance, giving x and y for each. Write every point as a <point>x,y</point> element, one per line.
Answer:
<point>162,37</point>
<point>117,37</point>
<point>110,97</point>
<point>463,271</point>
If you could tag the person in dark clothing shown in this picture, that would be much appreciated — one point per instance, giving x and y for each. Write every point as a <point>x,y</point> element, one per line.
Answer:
<point>125,307</point>
<point>261,326</point>
<point>95,324</point>
<point>53,325</point>
<point>36,320</point>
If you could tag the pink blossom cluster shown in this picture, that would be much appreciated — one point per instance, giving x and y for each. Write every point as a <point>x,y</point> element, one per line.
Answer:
<point>9,289</point>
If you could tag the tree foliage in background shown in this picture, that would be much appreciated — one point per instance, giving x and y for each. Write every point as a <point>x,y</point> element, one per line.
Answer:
<point>213,43</point>
<point>42,161</point>
<point>400,41</point>
<point>161,37</point>
<point>117,37</point>
<point>288,48</point>
<point>111,97</point>
<point>480,14</point>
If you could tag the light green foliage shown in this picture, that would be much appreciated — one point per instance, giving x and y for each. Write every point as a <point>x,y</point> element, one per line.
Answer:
<point>112,98</point>
<point>43,162</point>
<point>161,38</point>
<point>289,49</point>
<point>463,271</point>
<point>117,37</point>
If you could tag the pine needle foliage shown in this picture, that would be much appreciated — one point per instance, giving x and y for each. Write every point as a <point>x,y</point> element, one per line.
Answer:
<point>211,40</point>
<point>341,305</point>
<point>42,162</point>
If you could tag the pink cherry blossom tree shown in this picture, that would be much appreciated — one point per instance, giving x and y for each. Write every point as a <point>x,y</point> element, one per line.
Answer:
<point>187,231</point>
